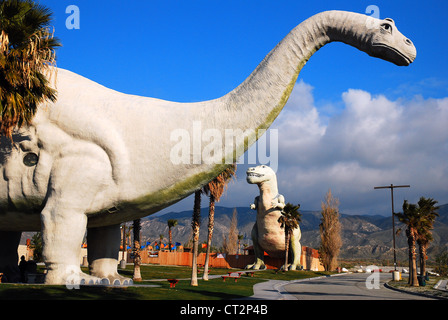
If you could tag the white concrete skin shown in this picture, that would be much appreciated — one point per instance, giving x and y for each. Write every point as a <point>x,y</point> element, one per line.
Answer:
<point>267,235</point>
<point>104,156</point>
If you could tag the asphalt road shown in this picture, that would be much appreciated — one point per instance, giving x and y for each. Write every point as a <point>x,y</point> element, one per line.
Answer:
<point>348,287</point>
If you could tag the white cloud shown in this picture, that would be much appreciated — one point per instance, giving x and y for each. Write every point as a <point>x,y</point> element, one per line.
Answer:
<point>372,141</point>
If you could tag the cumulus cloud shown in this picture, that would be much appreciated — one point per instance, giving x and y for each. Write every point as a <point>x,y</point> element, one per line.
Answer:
<point>371,141</point>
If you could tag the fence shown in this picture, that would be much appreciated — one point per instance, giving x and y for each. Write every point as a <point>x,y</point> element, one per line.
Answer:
<point>309,259</point>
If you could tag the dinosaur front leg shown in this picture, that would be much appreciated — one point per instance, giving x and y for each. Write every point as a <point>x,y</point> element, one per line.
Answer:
<point>9,258</point>
<point>104,244</point>
<point>74,183</point>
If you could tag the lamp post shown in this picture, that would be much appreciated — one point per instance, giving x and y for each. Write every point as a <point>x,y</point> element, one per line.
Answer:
<point>391,187</point>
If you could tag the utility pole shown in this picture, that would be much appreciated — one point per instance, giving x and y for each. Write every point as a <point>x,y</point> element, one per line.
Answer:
<point>391,187</point>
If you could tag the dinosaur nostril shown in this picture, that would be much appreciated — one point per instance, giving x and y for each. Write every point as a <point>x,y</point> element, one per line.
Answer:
<point>408,42</point>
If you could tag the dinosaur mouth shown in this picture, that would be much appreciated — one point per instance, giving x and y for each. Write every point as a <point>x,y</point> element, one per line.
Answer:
<point>399,58</point>
<point>253,174</point>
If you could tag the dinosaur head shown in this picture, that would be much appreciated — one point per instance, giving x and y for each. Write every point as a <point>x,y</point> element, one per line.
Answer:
<point>387,43</point>
<point>21,164</point>
<point>260,174</point>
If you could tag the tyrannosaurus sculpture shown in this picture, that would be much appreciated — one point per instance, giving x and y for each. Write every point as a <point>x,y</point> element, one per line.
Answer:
<point>97,157</point>
<point>267,235</point>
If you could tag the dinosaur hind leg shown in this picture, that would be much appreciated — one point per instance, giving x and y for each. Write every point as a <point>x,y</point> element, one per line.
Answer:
<point>74,183</point>
<point>104,244</point>
<point>259,252</point>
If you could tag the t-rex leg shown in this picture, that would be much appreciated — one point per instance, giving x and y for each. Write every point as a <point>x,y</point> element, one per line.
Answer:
<point>9,258</point>
<point>259,252</point>
<point>74,183</point>
<point>103,246</point>
<point>296,249</point>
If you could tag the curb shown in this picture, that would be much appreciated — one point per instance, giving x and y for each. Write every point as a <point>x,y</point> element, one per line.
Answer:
<point>443,284</point>
<point>386,284</point>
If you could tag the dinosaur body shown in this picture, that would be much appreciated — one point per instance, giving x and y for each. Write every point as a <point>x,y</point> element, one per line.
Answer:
<point>267,235</point>
<point>97,157</point>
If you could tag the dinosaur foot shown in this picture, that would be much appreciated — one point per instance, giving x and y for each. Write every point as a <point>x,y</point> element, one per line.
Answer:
<point>295,267</point>
<point>292,267</point>
<point>116,280</point>
<point>74,277</point>
<point>256,266</point>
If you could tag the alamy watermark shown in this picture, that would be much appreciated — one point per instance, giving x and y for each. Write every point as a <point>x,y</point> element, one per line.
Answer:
<point>213,146</point>
<point>373,13</point>
<point>73,21</point>
<point>373,280</point>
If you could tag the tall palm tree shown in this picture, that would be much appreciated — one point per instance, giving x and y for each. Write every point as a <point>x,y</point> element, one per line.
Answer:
<point>411,218</point>
<point>240,237</point>
<point>126,233</point>
<point>137,258</point>
<point>171,224</point>
<point>27,53</point>
<point>428,211</point>
<point>195,224</point>
<point>289,220</point>
<point>215,190</point>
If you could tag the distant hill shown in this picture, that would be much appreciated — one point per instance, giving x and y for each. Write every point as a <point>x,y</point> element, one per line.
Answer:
<point>363,236</point>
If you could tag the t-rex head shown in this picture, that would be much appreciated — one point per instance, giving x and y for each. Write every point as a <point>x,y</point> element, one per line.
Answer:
<point>260,174</point>
<point>387,43</point>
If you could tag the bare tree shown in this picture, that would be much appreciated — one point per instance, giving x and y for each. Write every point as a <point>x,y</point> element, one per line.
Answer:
<point>330,232</point>
<point>231,241</point>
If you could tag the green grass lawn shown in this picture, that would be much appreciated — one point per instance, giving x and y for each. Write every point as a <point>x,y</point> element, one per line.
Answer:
<point>214,289</point>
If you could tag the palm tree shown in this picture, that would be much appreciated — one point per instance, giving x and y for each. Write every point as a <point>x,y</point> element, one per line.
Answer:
<point>126,232</point>
<point>195,224</point>
<point>161,237</point>
<point>240,237</point>
<point>412,219</point>
<point>215,190</point>
<point>27,54</point>
<point>428,212</point>
<point>289,220</point>
<point>171,224</point>
<point>137,258</point>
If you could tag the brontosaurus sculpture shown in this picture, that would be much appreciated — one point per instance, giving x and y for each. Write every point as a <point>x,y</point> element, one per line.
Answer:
<point>97,157</point>
<point>267,234</point>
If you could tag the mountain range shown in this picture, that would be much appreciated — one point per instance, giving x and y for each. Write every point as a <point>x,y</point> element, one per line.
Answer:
<point>363,236</point>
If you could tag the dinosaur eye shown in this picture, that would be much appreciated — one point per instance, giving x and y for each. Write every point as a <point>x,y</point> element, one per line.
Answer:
<point>30,159</point>
<point>387,27</point>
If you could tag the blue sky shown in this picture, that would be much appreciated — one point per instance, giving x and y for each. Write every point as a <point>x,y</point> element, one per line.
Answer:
<point>194,50</point>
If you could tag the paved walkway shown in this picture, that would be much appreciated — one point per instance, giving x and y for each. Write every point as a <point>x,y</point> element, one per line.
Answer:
<point>336,287</point>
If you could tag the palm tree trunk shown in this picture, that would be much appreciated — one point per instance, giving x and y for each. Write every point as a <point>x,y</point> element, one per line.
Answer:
<point>195,227</point>
<point>423,256</point>
<point>287,237</point>
<point>413,280</point>
<point>211,223</point>
<point>124,243</point>
<point>137,258</point>
<point>170,238</point>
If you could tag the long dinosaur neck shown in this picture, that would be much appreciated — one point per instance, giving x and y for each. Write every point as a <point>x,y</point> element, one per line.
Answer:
<point>259,99</point>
